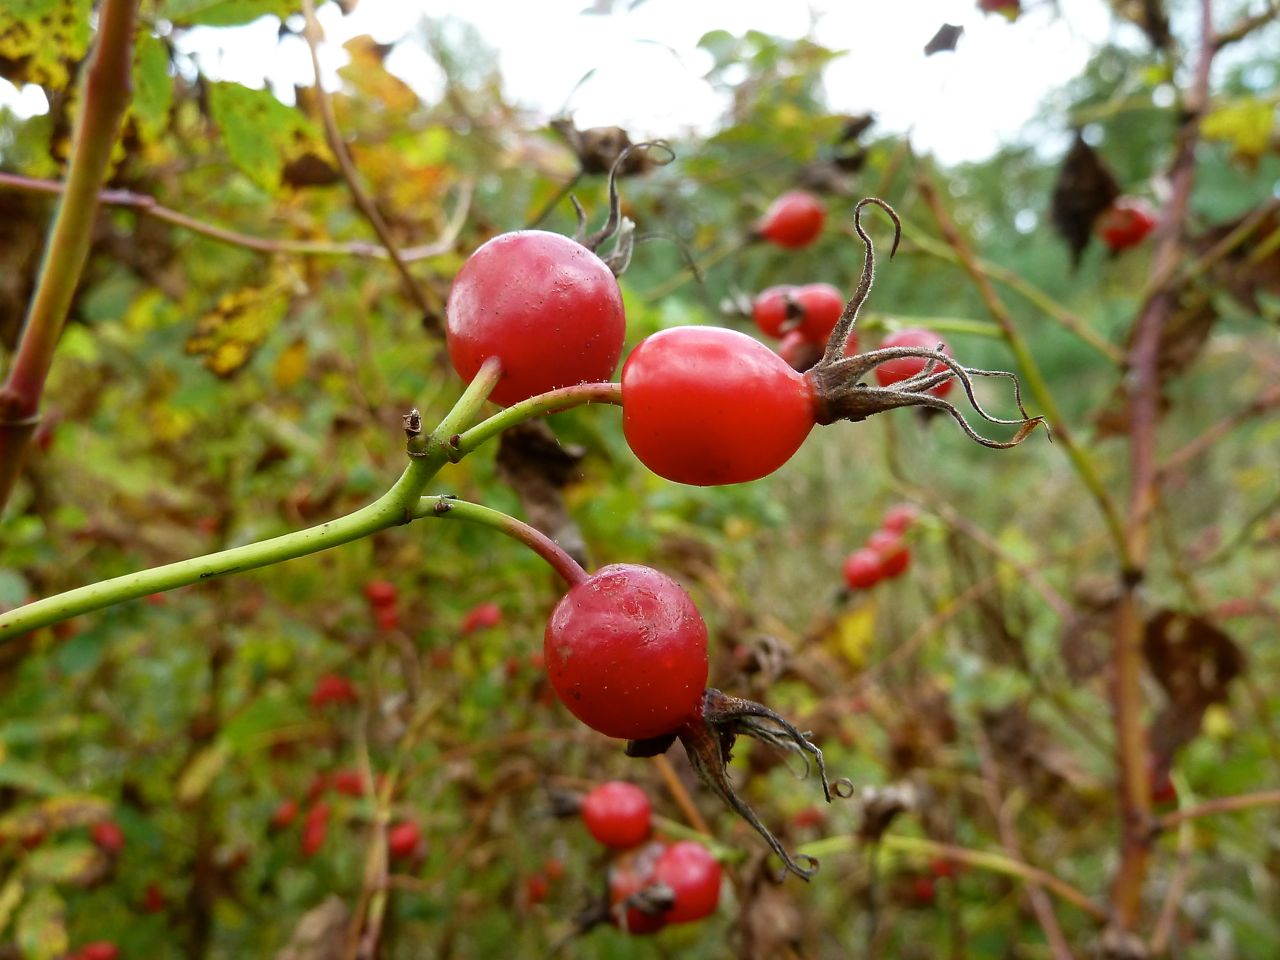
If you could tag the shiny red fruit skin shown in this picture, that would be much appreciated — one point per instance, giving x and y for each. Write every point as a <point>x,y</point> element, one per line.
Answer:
<point>709,406</point>
<point>380,593</point>
<point>894,371</point>
<point>333,688</point>
<point>626,652</point>
<point>693,873</point>
<point>769,309</point>
<point>617,814</point>
<point>98,950</point>
<point>1126,223</point>
<point>349,783</point>
<point>547,306</point>
<point>403,838</point>
<point>821,305</point>
<point>863,569</point>
<point>895,555</point>
<point>315,828</point>
<point>793,221</point>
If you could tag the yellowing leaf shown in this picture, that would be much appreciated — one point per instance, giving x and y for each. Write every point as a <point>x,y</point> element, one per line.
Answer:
<point>42,926</point>
<point>10,897</point>
<point>291,365</point>
<point>1246,124</point>
<point>230,334</point>
<point>853,633</point>
<point>369,77</point>
<point>52,815</point>
<point>40,38</point>
<point>76,863</point>
<point>201,772</point>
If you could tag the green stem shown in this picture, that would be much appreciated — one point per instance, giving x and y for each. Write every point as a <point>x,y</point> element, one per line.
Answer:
<point>535,540</point>
<point>107,89</point>
<point>392,508</point>
<point>550,402</point>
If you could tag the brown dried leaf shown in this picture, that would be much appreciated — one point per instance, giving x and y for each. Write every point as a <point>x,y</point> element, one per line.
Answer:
<point>1085,638</point>
<point>1194,662</point>
<point>598,148</point>
<point>320,934</point>
<point>769,922</point>
<point>1034,757</point>
<point>1084,188</point>
<point>534,464</point>
<point>945,39</point>
<point>1242,273</point>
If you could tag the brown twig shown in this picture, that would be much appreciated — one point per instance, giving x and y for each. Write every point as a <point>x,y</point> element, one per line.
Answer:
<point>1040,902</point>
<point>1247,26</point>
<point>333,136</point>
<point>147,206</point>
<point>1173,896</point>
<point>1263,403</point>
<point>1242,801</point>
<point>1026,363</point>
<point>680,795</point>
<point>1144,414</point>
<point>107,90</point>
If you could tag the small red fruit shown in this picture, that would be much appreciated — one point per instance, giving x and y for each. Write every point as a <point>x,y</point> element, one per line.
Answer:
<point>349,783</point>
<point>153,900</point>
<point>893,371</point>
<point>772,309</point>
<point>708,405</point>
<point>333,688</point>
<point>799,353</point>
<point>899,518</point>
<point>820,307</point>
<point>315,828</point>
<point>553,867</point>
<point>381,593</point>
<point>536,888</point>
<point>108,836</point>
<point>809,817</point>
<point>626,652</point>
<point>923,891</point>
<point>895,555</point>
<point>863,569</point>
<point>691,871</point>
<point>387,618</point>
<point>483,616</point>
<point>629,874</point>
<point>403,839</point>
<point>285,814</point>
<point>1126,223</point>
<point>793,221</point>
<point>98,950</point>
<point>617,814</point>
<point>545,305</point>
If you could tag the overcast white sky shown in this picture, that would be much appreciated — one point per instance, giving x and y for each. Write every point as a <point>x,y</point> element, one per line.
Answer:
<point>649,71</point>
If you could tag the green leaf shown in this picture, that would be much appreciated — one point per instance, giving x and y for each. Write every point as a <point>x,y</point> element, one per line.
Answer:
<point>30,777</point>
<point>152,86</point>
<point>223,13</point>
<point>259,131</point>
<point>74,863</point>
<point>42,926</point>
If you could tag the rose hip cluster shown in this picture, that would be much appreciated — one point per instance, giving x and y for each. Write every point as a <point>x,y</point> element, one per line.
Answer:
<point>626,648</point>
<point>886,554</point>
<point>651,883</point>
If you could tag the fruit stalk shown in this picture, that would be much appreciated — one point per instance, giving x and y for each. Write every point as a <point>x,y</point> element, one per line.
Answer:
<point>107,91</point>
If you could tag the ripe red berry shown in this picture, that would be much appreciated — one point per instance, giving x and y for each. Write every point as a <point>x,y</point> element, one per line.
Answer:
<point>333,688</point>
<point>863,569</point>
<point>626,652</point>
<point>403,839</point>
<point>809,817</point>
<point>707,405</point>
<point>899,518</point>
<point>553,867</point>
<point>285,813</point>
<point>319,784</point>
<point>893,371</point>
<point>691,871</point>
<point>923,891</point>
<point>798,352</point>
<point>153,900</point>
<point>895,555</point>
<point>1126,223</point>
<point>770,309</point>
<point>482,616</point>
<point>387,618</point>
<point>536,888</point>
<point>350,783</point>
<point>108,835</point>
<point>794,220</point>
<point>617,814</point>
<point>380,593</point>
<point>820,307</point>
<point>629,874</point>
<point>98,950</point>
<point>315,828</point>
<point>545,305</point>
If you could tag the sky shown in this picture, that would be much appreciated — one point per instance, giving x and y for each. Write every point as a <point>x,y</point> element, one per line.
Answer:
<point>649,72</point>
